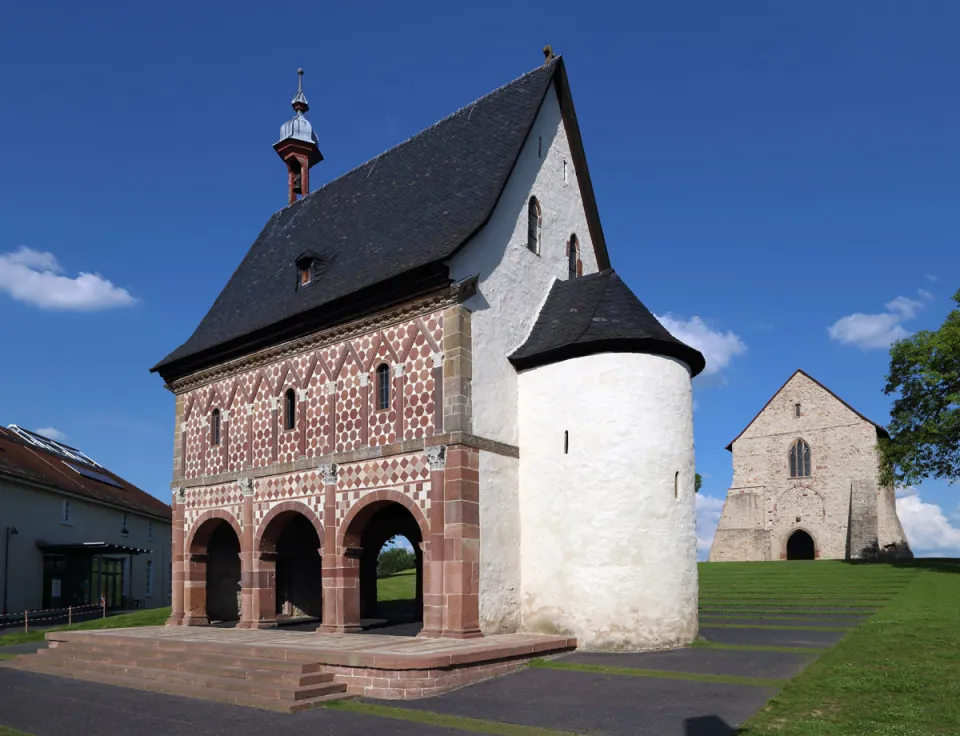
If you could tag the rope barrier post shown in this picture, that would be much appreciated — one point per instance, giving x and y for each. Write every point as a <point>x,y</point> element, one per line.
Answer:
<point>26,622</point>
<point>69,615</point>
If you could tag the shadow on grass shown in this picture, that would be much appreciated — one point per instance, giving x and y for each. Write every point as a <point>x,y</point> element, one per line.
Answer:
<point>707,726</point>
<point>936,564</point>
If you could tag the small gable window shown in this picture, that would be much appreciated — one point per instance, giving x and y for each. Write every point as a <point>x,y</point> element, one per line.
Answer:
<point>304,275</point>
<point>573,257</point>
<point>796,410</point>
<point>799,459</point>
<point>309,266</point>
<point>215,427</point>
<point>383,386</point>
<point>290,409</point>
<point>533,225</point>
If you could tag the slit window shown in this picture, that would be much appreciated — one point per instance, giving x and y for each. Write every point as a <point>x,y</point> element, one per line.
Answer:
<point>796,410</point>
<point>383,386</point>
<point>215,427</point>
<point>573,257</point>
<point>566,441</point>
<point>799,459</point>
<point>676,484</point>
<point>533,225</point>
<point>290,409</point>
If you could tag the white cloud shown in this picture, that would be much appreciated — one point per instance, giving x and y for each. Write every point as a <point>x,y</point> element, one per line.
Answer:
<point>876,330</point>
<point>717,347</point>
<point>928,530</point>
<point>36,278</point>
<point>931,278</point>
<point>54,434</point>
<point>709,509</point>
<point>924,294</point>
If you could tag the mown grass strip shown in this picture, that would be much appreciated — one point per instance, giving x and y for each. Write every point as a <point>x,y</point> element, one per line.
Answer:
<point>704,644</point>
<point>5,731</point>
<point>790,606</point>
<point>148,617</point>
<point>599,669</point>
<point>474,725</point>
<point>894,675</point>
<point>779,612</point>
<point>710,616</point>
<point>771,627</point>
<point>7,656</point>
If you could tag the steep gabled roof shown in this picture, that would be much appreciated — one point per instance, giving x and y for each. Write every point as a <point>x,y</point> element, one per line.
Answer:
<point>881,432</point>
<point>396,215</point>
<point>598,314</point>
<point>31,463</point>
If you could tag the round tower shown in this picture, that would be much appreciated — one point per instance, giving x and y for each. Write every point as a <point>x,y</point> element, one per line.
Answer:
<point>608,538</point>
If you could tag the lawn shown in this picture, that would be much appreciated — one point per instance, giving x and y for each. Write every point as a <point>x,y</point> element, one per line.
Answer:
<point>401,586</point>
<point>897,674</point>
<point>148,617</point>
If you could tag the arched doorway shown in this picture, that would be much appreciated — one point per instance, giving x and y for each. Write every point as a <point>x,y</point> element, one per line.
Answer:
<point>401,599</point>
<point>215,559</point>
<point>800,546</point>
<point>290,550</point>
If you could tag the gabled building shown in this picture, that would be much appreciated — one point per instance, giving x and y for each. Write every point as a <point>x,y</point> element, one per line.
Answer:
<point>806,483</point>
<point>435,345</point>
<point>74,531</point>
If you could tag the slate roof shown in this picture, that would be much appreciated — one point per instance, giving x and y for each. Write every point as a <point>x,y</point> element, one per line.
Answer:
<point>881,431</point>
<point>408,208</point>
<point>21,460</point>
<point>598,313</point>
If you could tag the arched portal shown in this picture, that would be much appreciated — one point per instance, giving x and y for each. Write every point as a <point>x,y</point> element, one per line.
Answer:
<point>800,546</point>
<point>365,537</point>
<point>214,573</point>
<point>291,568</point>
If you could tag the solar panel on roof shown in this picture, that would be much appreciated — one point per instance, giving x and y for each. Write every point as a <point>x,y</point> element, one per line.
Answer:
<point>94,475</point>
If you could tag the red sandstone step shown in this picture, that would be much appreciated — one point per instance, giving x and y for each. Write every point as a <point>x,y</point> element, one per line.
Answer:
<point>271,690</point>
<point>187,691</point>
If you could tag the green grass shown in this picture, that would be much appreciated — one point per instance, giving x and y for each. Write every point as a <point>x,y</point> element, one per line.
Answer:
<point>600,669</point>
<point>703,644</point>
<point>148,617</point>
<point>4,731</point>
<point>896,674</point>
<point>401,586</point>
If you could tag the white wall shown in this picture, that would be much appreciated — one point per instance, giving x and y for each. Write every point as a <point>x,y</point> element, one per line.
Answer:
<point>608,553</point>
<point>512,287</point>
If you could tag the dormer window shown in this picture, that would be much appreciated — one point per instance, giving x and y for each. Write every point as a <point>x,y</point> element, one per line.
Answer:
<point>304,275</point>
<point>308,270</point>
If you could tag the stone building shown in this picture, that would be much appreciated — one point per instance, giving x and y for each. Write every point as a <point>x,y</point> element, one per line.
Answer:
<point>434,345</point>
<point>806,483</point>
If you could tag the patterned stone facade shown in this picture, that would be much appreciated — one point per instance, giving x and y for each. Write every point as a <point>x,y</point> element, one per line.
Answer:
<point>840,504</point>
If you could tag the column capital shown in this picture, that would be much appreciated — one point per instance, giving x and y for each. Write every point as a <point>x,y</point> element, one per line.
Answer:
<point>397,370</point>
<point>364,379</point>
<point>328,472</point>
<point>436,456</point>
<point>437,359</point>
<point>179,494</point>
<point>246,486</point>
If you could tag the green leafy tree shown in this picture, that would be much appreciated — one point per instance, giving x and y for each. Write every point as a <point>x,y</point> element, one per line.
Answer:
<point>394,560</point>
<point>697,482</point>
<point>925,430</point>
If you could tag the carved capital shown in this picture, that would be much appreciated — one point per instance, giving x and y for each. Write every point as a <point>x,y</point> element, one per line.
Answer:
<point>364,379</point>
<point>225,415</point>
<point>436,456</point>
<point>331,387</point>
<point>246,486</point>
<point>437,359</point>
<point>249,409</point>
<point>179,494</point>
<point>398,370</point>
<point>328,472</point>
<point>302,394</point>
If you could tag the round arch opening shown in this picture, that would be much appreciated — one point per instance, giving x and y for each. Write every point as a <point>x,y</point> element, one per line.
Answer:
<point>216,547</point>
<point>290,548</point>
<point>800,546</point>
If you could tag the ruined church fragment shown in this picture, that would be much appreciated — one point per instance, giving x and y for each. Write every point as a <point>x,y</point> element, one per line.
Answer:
<point>435,345</point>
<point>806,483</point>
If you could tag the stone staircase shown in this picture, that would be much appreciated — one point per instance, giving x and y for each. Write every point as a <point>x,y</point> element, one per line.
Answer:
<point>259,679</point>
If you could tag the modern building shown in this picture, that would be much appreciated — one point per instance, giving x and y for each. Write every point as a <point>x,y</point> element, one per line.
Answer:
<point>435,345</point>
<point>806,483</point>
<point>73,531</point>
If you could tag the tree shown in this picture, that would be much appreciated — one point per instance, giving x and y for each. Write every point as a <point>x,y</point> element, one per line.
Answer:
<point>925,430</point>
<point>394,560</point>
<point>697,482</point>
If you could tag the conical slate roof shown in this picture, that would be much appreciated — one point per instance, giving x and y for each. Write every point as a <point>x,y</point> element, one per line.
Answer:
<point>598,314</point>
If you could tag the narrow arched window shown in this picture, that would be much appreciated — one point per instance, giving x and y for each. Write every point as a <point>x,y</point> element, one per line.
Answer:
<point>215,427</point>
<point>799,460</point>
<point>290,409</point>
<point>533,225</point>
<point>383,386</point>
<point>573,257</point>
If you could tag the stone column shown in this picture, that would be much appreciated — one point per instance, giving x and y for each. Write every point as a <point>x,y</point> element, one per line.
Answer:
<point>461,534</point>
<point>398,399</point>
<point>195,589</point>
<point>176,557</point>
<point>341,571</point>
<point>433,548</point>
<point>364,409</point>
<point>248,579</point>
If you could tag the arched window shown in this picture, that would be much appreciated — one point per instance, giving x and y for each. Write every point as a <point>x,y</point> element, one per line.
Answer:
<point>383,386</point>
<point>799,460</point>
<point>533,225</point>
<point>290,409</point>
<point>573,256</point>
<point>215,427</point>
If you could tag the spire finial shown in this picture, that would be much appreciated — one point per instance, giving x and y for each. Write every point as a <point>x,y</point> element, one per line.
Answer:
<point>547,54</point>
<point>300,101</point>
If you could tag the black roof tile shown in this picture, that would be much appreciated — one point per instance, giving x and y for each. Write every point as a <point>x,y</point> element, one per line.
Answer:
<point>597,314</point>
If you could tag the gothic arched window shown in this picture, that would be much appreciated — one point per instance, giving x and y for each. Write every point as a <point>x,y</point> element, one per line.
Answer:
<point>383,386</point>
<point>215,427</point>
<point>533,226</point>
<point>799,460</point>
<point>290,409</point>
<point>573,256</point>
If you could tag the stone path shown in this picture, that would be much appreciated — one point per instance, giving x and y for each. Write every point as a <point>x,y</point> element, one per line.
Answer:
<point>655,693</point>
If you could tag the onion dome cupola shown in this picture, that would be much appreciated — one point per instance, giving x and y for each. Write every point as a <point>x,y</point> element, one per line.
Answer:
<point>298,146</point>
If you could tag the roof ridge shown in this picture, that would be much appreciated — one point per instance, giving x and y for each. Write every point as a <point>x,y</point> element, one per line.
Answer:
<point>401,144</point>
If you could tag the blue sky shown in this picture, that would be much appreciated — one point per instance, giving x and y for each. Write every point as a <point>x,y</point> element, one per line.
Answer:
<point>765,171</point>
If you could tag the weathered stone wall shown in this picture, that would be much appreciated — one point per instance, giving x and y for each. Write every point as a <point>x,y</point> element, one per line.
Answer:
<point>843,482</point>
